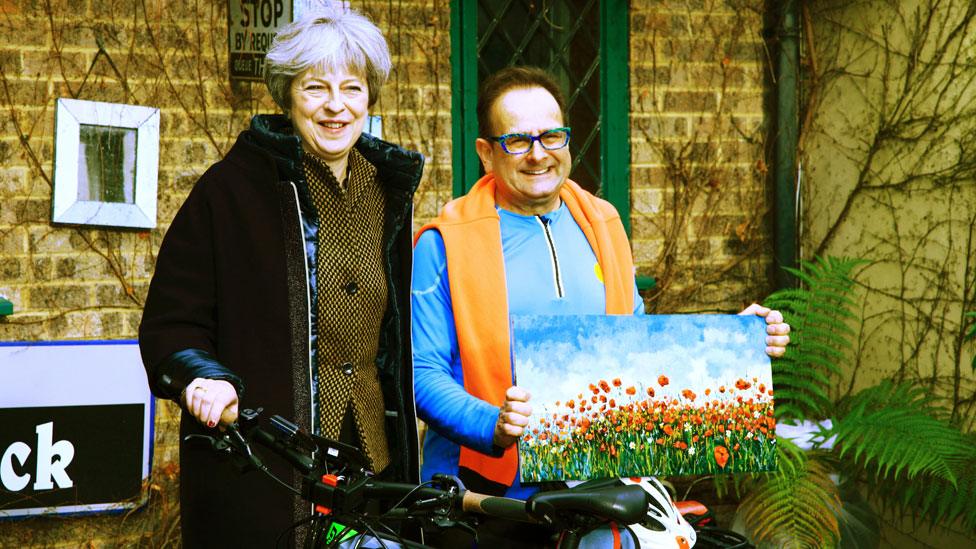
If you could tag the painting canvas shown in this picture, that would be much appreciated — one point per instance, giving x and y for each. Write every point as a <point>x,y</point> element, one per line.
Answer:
<point>629,396</point>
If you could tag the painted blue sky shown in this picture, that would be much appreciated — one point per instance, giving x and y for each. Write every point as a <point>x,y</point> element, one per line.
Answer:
<point>557,357</point>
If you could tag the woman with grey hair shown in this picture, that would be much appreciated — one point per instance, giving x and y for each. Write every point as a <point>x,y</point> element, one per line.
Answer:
<point>283,282</point>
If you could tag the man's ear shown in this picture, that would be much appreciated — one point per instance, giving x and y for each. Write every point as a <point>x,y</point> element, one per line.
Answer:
<point>483,146</point>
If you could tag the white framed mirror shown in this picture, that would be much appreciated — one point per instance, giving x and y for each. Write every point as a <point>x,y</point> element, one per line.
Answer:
<point>106,164</point>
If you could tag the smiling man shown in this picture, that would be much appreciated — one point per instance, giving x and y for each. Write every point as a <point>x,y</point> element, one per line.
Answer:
<point>525,240</point>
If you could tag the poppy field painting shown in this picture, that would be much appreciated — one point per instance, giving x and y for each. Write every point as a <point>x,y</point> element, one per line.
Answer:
<point>631,396</point>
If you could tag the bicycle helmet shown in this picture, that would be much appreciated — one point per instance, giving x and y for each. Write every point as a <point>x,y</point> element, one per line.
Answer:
<point>663,527</point>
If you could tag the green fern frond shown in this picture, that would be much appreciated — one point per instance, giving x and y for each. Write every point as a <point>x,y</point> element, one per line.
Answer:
<point>818,354</point>
<point>795,507</point>
<point>818,314</point>
<point>799,378</point>
<point>802,387</point>
<point>831,311</point>
<point>797,393</point>
<point>891,430</point>
<point>936,499</point>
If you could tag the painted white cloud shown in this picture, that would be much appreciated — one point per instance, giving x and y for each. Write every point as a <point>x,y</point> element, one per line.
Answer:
<point>559,357</point>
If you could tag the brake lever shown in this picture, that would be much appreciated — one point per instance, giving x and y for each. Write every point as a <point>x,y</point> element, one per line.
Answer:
<point>210,441</point>
<point>231,443</point>
<point>430,503</point>
<point>442,522</point>
<point>234,438</point>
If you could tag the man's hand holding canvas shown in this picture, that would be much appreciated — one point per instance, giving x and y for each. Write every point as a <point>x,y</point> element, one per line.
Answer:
<point>513,416</point>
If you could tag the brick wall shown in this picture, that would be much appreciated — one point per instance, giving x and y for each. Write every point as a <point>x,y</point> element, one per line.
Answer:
<point>697,176</point>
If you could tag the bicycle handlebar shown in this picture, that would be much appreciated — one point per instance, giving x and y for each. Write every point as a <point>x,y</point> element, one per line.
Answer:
<point>335,477</point>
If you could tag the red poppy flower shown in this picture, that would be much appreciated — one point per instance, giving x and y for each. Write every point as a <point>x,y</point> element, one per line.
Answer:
<point>663,380</point>
<point>721,456</point>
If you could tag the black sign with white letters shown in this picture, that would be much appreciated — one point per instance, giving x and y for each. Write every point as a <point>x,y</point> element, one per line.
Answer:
<point>70,455</point>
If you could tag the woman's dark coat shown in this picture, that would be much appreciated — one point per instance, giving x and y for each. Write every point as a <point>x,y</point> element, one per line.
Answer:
<point>230,300</point>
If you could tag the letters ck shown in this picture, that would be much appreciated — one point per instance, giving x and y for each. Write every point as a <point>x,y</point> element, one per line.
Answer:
<point>52,460</point>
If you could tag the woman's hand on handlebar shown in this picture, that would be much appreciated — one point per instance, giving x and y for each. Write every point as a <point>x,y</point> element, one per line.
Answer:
<point>211,401</point>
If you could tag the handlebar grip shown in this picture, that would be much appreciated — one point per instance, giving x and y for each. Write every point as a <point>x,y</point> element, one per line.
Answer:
<point>228,417</point>
<point>506,508</point>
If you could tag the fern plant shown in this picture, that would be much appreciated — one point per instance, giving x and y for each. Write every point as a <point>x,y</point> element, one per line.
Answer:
<point>893,441</point>
<point>921,465</point>
<point>807,503</point>
<point>818,314</point>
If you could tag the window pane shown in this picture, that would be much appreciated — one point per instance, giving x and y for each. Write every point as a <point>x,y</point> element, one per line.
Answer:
<point>561,36</point>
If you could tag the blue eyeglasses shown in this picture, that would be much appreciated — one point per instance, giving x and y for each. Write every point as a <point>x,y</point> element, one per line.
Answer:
<point>521,143</point>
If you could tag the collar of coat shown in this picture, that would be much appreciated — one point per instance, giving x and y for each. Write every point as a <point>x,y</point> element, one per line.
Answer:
<point>398,169</point>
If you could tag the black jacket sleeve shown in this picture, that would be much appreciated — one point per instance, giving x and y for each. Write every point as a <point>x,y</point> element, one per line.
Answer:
<point>178,333</point>
<point>184,366</point>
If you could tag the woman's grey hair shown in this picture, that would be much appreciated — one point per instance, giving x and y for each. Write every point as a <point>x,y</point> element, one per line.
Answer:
<point>330,40</point>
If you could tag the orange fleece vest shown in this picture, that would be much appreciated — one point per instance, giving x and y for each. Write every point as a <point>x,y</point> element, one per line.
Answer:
<point>476,270</point>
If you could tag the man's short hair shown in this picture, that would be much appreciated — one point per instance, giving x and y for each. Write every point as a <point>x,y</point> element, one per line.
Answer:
<point>511,78</point>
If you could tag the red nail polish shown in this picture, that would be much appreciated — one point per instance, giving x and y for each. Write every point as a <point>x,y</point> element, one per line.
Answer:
<point>211,424</point>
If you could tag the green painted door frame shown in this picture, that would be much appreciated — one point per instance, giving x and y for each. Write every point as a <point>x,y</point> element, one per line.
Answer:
<point>615,104</point>
<point>464,95</point>
<point>614,100</point>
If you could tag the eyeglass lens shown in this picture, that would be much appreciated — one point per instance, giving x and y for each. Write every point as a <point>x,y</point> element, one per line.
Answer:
<point>552,139</point>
